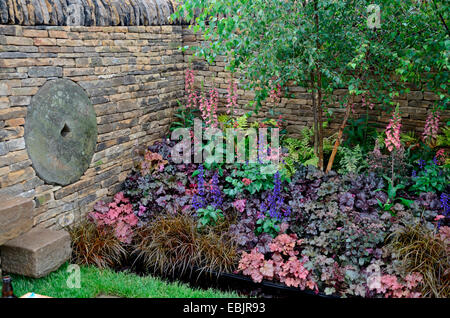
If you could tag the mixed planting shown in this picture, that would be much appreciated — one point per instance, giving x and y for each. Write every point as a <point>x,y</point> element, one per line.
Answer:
<point>379,227</point>
<point>362,211</point>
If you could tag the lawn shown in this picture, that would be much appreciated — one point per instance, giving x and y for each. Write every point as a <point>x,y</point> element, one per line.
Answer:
<point>95,282</point>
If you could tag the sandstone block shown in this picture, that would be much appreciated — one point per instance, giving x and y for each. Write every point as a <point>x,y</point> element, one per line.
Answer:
<point>44,42</point>
<point>33,33</point>
<point>16,218</point>
<point>36,253</point>
<point>45,71</point>
<point>415,95</point>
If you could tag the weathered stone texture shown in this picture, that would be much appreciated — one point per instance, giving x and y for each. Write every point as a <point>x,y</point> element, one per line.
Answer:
<point>61,132</point>
<point>133,91</point>
<point>36,253</point>
<point>86,13</point>
<point>16,218</point>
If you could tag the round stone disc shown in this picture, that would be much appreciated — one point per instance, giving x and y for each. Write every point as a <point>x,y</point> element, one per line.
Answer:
<point>60,132</point>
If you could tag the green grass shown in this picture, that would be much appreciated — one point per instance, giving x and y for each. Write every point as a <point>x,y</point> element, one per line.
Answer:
<point>95,282</point>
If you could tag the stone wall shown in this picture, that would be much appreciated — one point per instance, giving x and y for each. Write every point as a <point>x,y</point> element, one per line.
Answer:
<point>297,110</point>
<point>133,76</point>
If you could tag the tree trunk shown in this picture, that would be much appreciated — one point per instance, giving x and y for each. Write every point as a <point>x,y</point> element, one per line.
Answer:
<point>318,91</point>
<point>338,140</point>
<point>320,120</point>
<point>315,125</point>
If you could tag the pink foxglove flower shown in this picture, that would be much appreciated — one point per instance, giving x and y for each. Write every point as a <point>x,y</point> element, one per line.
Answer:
<point>190,90</point>
<point>392,140</point>
<point>352,108</point>
<point>367,103</point>
<point>275,94</point>
<point>203,106</point>
<point>440,156</point>
<point>431,128</point>
<point>208,108</point>
<point>232,98</point>
<point>214,104</point>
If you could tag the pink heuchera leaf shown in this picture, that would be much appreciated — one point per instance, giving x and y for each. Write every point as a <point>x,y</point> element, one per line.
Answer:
<point>142,210</point>
<point>391,287</point>
<point>267,270</point>
<point>413,279</point>
<point>284,227</point>
<point>120,198</point>
<point>284,244</point>
<point>444,234</point>
<point>240,205</point>
<point>291,271</point>
<point>119,215</point>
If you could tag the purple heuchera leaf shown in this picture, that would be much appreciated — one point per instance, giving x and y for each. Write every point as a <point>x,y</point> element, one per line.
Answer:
<point>365,190</point>
<point>346,201</point>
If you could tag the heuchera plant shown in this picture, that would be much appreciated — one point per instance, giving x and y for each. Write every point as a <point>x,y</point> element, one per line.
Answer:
<point>239,205</point>
<point>243,232</point>
<point>304,186</point>
<point>389,286</point>
<point>169,191</point>
<point>118,215</point>
<point>152,162</point>
<point>364,193</point>
<point>283,265</point>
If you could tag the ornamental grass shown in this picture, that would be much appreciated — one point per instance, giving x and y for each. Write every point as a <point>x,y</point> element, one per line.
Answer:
<point>92,245</point>
<point>173,245</point>
<point>420,250</point>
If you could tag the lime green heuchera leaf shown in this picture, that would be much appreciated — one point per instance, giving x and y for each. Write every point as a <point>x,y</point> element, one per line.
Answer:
<point>330,291</point>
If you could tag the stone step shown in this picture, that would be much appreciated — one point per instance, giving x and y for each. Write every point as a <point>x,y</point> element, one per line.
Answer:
<point>16,217</point>
<point>36,253</point>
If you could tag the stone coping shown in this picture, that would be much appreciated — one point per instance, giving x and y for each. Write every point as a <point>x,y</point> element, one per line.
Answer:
<point>86,12</point>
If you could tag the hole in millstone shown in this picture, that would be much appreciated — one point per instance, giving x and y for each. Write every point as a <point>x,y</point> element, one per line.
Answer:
<point>65,130</point>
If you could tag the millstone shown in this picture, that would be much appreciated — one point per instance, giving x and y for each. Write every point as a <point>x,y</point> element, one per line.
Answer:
<point>60,132</point>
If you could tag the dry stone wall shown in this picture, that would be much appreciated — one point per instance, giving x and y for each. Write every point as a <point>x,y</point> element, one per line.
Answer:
<point>133,75</point>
